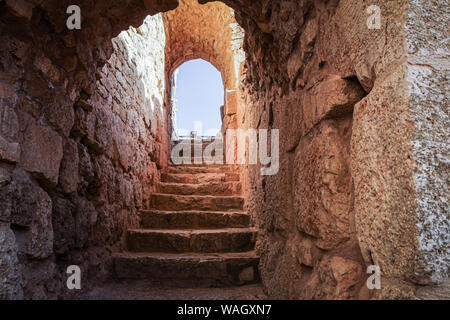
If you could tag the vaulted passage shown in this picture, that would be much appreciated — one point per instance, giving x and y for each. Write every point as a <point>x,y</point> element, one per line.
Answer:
<point>349,105</point>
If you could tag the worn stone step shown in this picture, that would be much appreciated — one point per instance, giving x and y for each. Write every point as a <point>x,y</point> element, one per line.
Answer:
<point>171,202</point>
<point>203,142</point>
<point>195,146</point>
<point>208,165</point>
<point>199,162</point>
<point>186,240</point>
<point>199,177</point>
<point>193,219</point>
<point>200,153</point>
<point>198,169</point>
<point>206,269</point>
<point>212,188</point>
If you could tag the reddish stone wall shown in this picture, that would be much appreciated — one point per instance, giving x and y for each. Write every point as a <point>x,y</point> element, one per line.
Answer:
<point>305,213</point>
<point>83,134</point>
<point>345,195</point>
<point>352,189</point>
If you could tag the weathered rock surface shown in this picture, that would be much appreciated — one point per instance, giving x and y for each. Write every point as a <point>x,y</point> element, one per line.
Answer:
<point>26,205</point>
<point>153,290</point>
<point>312,66</point>
<point>10,273</point>
<point>209,203</point>
<point>42,153</point>
<point>204,269</point>
<point>9,151</point>
<point>322,173</point>
<point>83,123</point>
<point>194,219</point>
<point>205,240</point>
<point>428,68</point>
<point>215,188</point>
<point>69,171</point>
<point>362,114</point>
<point>200,178</point>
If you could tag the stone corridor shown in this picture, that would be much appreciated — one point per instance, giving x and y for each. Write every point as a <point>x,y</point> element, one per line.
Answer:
<point>87,128</point>
<point>196,230</point>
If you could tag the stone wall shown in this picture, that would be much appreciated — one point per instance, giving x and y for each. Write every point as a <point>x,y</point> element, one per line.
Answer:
<point>354,188</point>
<point>83,137</point>
<point>363,136</point>
<point>428,69</point>
<point>297,82</point>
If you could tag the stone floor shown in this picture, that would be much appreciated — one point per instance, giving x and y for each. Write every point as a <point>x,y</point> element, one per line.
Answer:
<point>144,290</point>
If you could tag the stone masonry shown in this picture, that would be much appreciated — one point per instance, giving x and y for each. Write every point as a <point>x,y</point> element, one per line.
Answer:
<point>362,113</point>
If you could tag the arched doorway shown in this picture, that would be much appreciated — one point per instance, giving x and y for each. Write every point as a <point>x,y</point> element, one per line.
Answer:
<point>197,98</point>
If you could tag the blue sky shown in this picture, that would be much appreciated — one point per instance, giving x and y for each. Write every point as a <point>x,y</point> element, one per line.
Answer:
<point>200,94</point>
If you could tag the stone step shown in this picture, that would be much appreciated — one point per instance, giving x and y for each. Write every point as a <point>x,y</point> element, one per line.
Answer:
<point>208,165</point>
<point>198,169</point>
<point>193,146</point>
<point>204,142</point>
<point>212,188</point>
<point>209,269</point>
<point>200,152</point>
<point>186,240</point>
<point>203,159</point>
<point>193,219</point>
<point>171,202</point>
<point>199,177</point>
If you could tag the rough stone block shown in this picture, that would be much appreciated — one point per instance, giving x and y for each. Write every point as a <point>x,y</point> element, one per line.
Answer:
<point>42,153</point>
<point>340,277</point>
<point>6,91</point>
<point>306,253</point>
<point>29,207</point>
<point>321,175</point>
<point>68,173</point>
<point>60,115</point>
<point>47,68</point>
<point>5,177</point>
<point>86,168</point>
<point>39,239</point>
<point>9,151</point>
<point>10,271</point>
<point>9,123</point>
<point>20,8</point>
<point>332,98</point>
<point>231,102</point>
<point>247,275</point>
<point>63,225</point>
<point>85,218</point>
<point>382,165</point>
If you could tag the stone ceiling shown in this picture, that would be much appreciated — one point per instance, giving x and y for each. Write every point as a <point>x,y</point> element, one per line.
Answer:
<point>201,31</point>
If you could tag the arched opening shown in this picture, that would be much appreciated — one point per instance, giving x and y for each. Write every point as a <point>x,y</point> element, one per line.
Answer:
<point>197,99</point>
<point>84,140</point>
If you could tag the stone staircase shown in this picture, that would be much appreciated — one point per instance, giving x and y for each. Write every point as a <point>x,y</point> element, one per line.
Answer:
<point>195,231</point>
